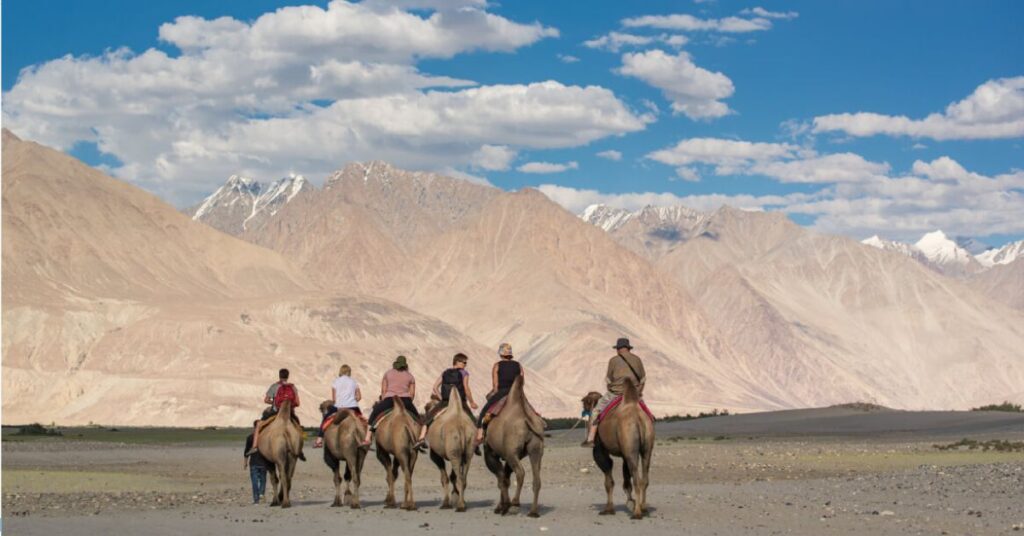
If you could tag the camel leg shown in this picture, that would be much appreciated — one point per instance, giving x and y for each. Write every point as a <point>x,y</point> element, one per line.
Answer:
<point>357,478</point>
<point>645,471</point>
<point>630,467</point>
<point>461,470</point>
<point>520,480</point>
<point>274,484</point>
<point>337,486</point>
<point>439,462</point>
<point>609,487</point>
<point>286,481</point>
<point>385,460</point>
<point>407,462</point>
<point>347,477</point>
<point>504,481</point>
<point>536,454</point>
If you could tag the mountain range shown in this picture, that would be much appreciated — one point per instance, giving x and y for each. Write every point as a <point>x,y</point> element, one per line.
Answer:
<point>120,309</point>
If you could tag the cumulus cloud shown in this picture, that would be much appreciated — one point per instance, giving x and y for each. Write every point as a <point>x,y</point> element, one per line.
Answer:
<point>859,197</point>
<point>493,157</point>
<point>994,110</point>
<point>610,154</point>
<point>615,41</point>
<point>307,88</point>
<point>693,91</point>
<point>547,167</point>
<point>685,22</point>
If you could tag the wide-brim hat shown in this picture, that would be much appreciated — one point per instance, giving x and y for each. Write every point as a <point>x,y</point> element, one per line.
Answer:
<point>400,362</point>
<point>504,349</point>
<point>622,343</point>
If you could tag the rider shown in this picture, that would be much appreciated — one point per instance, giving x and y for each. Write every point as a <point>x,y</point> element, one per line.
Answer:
<point>503,375</point>
<point>456,377</point>
<point>624,366</point>
<point>397,382</point>
<point>277,393</point>
<point>346,394</point>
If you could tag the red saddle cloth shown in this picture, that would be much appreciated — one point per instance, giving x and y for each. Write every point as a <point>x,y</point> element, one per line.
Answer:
<point>496,408</point>
<point>616,401</point>
<point>330,418</point>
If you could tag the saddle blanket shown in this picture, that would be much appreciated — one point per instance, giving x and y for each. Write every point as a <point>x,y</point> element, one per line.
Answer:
<point>615,402</point>
<point>330,418</point>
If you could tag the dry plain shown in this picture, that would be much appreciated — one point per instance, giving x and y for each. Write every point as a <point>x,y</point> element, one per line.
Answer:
<point>828,471</point>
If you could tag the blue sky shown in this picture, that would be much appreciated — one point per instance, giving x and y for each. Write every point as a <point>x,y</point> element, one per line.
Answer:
<point>805,60</point>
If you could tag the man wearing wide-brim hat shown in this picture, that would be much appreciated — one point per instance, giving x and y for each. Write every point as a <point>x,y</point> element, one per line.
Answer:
<point>624,366</point>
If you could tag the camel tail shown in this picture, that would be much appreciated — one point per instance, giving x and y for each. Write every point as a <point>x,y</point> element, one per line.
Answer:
<point>630,393</point>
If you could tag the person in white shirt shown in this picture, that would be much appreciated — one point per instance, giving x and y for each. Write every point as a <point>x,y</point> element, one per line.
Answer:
<point>346,395</point>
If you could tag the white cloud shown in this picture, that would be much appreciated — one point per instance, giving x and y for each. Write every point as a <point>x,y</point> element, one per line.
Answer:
<point>721,152</point>
<point>566,58</point>
<point>493,157</point>
<point>615,41</point>
<point>684,22</point>
<point>762,12</point>
<point>994,110</point>
<point>307,89</point>
<point>610,154</point>
<point>575,200</point>
<point>547,167</point>
<point>693,91</point>
<point>687,174</point>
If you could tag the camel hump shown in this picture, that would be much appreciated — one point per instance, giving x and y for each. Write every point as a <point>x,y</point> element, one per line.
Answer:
<point>398,406</point>
<point>630,394</point>
<point>455,401</point>
<point>516,393</point>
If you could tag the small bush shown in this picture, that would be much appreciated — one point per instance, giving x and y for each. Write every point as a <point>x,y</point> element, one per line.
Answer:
<point>702,415</point>
<point>998,445</point>
<point>1005,406</point>
<point>36,429</point>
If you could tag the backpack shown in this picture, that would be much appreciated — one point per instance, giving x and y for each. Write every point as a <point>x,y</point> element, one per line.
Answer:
<point>452,378</point>
<point>285,391</point>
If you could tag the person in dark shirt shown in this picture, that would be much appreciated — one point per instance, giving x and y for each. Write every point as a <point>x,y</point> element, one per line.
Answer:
<point>257,467</point>
<point>503,375</point>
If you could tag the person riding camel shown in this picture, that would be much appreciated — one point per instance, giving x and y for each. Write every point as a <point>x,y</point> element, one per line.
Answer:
<point>624,366</point>
<point>277,393</point>
<point>346,394</point>
<point>457,378</point>
<point>503,375</point>
<point>396,382</point>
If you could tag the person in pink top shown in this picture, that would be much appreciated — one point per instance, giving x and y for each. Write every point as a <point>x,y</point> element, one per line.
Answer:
<point>397,382</point>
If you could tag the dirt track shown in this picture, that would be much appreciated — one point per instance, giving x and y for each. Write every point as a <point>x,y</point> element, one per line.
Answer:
<point>886,479</point>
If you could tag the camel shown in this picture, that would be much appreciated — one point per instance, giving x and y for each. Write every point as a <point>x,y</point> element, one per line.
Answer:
<point>342,440</point>
<point>513,434</point>
<point>451,438</point>
<point>396,440</point>
<point>281,445</point>
<point>626,432</point>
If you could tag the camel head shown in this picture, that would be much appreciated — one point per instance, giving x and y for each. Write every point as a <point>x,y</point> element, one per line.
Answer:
<point>590,401</point>
<point>326,405</point>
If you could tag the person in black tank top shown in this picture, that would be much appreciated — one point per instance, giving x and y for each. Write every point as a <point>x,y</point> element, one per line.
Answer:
<point>503,375</point>
<point>456,378</point>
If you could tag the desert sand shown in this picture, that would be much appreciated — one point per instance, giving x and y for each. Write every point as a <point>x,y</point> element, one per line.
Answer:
<point>834,471</point>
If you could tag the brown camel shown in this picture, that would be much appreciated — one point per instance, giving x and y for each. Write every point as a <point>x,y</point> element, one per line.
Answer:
<point>396,440</point>
<point>626,432</point>
<point>342,440</point>
<point>513,434</point>
<point>451,438</point>
<point>281,445</point>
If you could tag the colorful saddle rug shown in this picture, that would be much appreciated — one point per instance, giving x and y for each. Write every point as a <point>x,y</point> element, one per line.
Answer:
<point>331,416</point>
<point>615,402</point>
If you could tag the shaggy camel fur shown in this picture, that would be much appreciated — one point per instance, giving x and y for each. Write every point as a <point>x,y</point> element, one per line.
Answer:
<point>342,440</point>
<point>626,432</point>
<point>513,434</point>
<point>281,445</point>
<point>451,438</point>
<point>396,440</point>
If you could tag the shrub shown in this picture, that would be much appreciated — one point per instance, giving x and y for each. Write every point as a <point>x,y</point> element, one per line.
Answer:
<point>1005,406</point>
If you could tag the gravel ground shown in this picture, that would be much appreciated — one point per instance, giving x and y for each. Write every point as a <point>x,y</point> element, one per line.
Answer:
<point>885,484</point>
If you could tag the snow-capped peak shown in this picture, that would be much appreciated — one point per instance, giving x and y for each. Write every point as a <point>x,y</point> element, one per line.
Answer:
<point>606,217</point>
<point>940,249</point>
<point>1004,255</point>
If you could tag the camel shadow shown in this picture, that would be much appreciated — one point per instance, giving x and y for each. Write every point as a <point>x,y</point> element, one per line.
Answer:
<point>620,508</point>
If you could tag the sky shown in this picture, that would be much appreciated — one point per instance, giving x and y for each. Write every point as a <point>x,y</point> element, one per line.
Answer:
<point>857,118</point>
